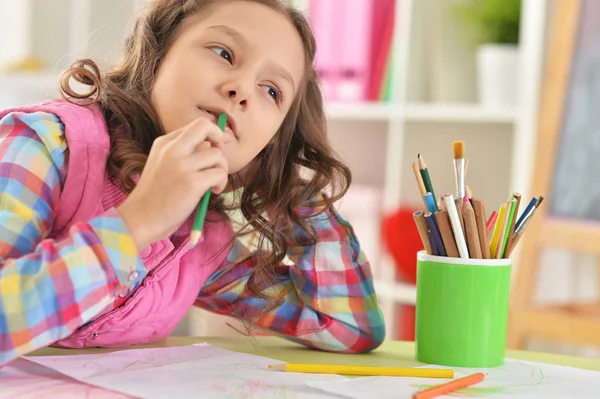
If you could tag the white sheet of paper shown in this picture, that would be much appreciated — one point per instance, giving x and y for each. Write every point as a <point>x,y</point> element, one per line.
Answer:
<point>26,380</point>
<point>515,379</point>
<point>199,371</point>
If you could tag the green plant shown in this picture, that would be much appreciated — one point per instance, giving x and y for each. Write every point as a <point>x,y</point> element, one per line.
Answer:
<point>491,21</point>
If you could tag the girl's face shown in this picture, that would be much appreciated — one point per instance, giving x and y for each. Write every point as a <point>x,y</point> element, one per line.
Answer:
<point>241,58</point>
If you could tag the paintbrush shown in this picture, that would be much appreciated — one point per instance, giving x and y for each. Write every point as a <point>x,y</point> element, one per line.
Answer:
<point>459,167</point>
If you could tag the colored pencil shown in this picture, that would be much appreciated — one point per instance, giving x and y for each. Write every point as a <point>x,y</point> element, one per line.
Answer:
<point>472,234</point>
<point>456,226</point>
<point>430,202</point>
<point>426,178</point>
<point>364,370</point>
<point>196,233</point>
<point>468,191</point>
<point>539,201</point>
<point>511,230</point>
<point>528,209</point>
<point>521,230</point>
<point>482,230</point>
<point>492,221</point>
<point>496,232</point>
<point>519,234</point>
<point>511,215</point>
<point>434,234</point>
<point>446,231</point>
<point>420,183</point>
<point>459,208</point>
<point>422,228</point>
<point>449,386</point>
<point>503,229</point>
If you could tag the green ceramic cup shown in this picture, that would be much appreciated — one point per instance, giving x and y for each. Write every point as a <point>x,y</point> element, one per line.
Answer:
<point>462,310</point>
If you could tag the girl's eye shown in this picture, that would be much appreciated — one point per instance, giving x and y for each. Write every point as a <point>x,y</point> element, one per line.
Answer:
<point>224,53</point>
<point>274,93</point>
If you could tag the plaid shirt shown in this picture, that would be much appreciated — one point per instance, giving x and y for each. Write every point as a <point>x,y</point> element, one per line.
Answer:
<point>48,288</point>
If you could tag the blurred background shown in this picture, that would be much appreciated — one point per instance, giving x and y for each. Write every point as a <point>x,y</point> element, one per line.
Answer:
<point>400,77</point>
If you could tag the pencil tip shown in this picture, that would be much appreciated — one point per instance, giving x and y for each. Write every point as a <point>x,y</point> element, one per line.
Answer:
<point>195,238</point>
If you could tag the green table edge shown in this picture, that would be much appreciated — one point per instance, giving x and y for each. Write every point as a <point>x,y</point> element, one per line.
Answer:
<point>389,354</point>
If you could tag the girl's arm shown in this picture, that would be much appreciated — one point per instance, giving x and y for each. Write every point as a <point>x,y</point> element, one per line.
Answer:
<point>49,288</point>
<point>329,304</point>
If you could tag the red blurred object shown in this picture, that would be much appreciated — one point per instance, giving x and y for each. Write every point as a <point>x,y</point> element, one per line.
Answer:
<point>402,240</point>
<point>405,314</point>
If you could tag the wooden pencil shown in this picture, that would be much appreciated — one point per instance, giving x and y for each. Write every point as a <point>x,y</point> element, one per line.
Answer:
<point>491,222</point>
<point>443,222</point>
<point>496,231</point>
<point>430,204</point>
<point>425,174</point>
<point>461,243</point>
<point>459,209</point>
<point>511,209</point>
<point>422,228</point>
<point>528,209</point>
<point>434,235</point>
<point>511,231</point>
<point>482,230</point>
<point>420,183</point>
<point>500,247</point>
<point>441,203</point>
<point>519,234</point>
<point>472,233</point>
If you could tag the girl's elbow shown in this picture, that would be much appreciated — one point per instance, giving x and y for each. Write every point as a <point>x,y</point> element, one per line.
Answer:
<point>358,339</point>
<point>371,337</point>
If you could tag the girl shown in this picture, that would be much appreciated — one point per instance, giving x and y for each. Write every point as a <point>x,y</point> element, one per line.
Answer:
<point>98,192</point>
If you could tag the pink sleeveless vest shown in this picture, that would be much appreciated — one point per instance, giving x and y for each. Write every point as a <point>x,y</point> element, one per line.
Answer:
<point>176,274</point>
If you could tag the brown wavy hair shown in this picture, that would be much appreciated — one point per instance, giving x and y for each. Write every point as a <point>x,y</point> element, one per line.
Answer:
<point>291,173</point>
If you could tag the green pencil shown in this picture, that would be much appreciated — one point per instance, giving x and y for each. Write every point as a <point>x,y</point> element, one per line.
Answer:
<point>511,215</point>
<point>426,179</point>
<point>196,233</point>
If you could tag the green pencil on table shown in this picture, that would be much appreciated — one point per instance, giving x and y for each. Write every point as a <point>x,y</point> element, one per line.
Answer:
<point>203,205</point>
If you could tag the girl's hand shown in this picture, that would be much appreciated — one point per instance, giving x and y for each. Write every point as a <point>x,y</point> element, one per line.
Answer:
<point>181,167</point>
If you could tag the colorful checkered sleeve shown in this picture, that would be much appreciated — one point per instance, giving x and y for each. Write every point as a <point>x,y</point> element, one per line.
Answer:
<point>329,301</point>
<point>48,288</point>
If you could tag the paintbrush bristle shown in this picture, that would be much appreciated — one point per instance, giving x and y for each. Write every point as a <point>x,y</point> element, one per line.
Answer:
<point>459,149</point>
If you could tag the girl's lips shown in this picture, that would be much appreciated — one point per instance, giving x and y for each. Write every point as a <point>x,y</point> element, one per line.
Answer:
<point>213,116</point>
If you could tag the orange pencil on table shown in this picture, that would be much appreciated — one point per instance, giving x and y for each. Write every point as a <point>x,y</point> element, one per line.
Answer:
<point>449,386</point>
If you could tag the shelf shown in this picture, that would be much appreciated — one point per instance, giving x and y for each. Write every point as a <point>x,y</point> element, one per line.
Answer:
<point>398,292</point>
<point>368,111</point>
<point>458,113</point>
<point>420,112</point>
